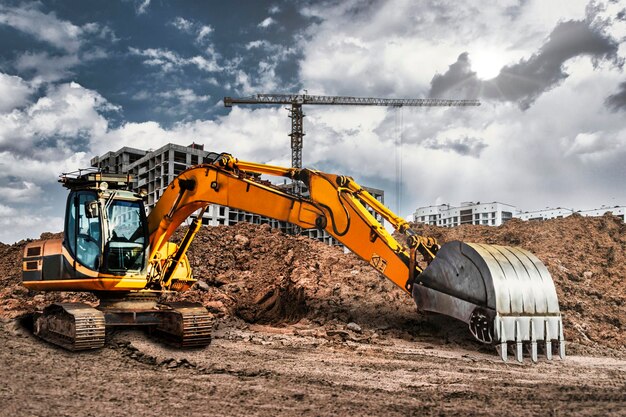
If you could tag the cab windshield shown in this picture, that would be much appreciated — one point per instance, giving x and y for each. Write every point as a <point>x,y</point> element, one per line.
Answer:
<point>127,240</point>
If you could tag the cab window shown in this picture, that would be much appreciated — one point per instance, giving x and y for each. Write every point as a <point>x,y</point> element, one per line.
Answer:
<point>83,230</point>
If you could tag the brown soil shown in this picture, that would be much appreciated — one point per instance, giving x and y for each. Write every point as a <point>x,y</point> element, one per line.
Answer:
<point>284,346</point>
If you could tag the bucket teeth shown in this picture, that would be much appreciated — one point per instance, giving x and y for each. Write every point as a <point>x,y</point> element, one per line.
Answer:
<point>525,333</point>
<point>561,341</point>
<point>533,342</point>
<point>504,351</point>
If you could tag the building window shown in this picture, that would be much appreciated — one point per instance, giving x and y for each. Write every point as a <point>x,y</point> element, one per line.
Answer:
<point>180,157</point>
<point>466,216</point>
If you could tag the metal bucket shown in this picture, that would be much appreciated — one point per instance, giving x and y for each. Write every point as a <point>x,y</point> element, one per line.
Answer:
<point>505,294</point>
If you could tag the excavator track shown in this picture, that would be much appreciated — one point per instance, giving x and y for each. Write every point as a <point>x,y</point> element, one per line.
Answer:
<point>73,326</point>
<point>185,325</point>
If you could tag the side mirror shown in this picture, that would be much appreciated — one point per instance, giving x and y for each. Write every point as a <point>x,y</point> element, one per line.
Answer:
<point>92,209</point>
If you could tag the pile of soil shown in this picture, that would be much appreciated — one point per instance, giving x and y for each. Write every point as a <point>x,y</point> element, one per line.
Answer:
<point>263,276</point>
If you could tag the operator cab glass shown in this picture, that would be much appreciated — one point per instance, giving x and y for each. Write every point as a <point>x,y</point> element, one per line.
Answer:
<point>106,234</point>
<point>83,228</point>
<point>127,240</point>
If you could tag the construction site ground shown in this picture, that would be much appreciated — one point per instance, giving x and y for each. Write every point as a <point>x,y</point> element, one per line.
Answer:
<point>305,329</point>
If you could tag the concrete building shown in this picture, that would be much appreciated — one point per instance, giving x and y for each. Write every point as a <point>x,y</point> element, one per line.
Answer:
<point>118,161</point>
<point>491,214</point>
<point>495,214</point>
<point>546,214</point>
<point>559,213</point>
<point>153,170</point>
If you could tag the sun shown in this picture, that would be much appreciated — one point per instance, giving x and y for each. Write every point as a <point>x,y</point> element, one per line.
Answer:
<point>487,62</point>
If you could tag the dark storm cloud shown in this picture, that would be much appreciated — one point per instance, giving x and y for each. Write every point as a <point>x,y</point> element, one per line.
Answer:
<point>525,81</point>
<point>465,145</point>
<point>617,101</point>
<point>459,78</point>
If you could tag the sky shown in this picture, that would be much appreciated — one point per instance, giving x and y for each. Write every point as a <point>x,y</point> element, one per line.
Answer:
<point>80,78</point>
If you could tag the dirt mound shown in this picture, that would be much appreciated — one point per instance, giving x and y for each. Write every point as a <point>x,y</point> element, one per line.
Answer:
<point>14,298</point>
<point>587,259</point>
<point>264,276</point>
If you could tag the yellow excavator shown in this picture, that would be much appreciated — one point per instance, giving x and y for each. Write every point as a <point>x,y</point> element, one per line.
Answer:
<point>110,248</point>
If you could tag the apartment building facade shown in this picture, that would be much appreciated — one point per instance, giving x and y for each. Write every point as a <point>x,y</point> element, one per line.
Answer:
<point>445,215</point>
<point>558,213</point>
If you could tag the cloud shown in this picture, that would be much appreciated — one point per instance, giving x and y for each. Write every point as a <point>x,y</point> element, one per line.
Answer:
<point>263,76</point>
<point>617,101</point>
<point>20,191</point>
<point>460,79</point>
<point>14,92</point>
<point>529,78</point>
<point>54,126</point>
<point>183,24</point>
<point>71,42</point>
<point>141,6</point>
<point>45,27</point>
<point>201,32</point>
<point>464,145</point>
<point>46,67</point>
<point>169,61</point>
<point>267,22</point>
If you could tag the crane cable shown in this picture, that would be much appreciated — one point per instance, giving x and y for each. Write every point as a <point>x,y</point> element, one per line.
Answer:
<point>399,129</point>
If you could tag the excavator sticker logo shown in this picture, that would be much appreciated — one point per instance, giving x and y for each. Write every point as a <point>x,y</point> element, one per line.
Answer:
<point>378,262</point>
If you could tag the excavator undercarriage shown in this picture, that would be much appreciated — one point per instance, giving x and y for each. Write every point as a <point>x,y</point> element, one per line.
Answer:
<point>79,326</point>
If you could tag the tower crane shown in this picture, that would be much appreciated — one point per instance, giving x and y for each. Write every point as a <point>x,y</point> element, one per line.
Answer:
<point>297,116</point>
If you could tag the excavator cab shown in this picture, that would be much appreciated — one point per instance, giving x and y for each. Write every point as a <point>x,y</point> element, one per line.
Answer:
<point>105,241</point>
<point>105,231</point>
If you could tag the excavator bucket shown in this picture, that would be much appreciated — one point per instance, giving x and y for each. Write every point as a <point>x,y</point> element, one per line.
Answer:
<point>505,294</point>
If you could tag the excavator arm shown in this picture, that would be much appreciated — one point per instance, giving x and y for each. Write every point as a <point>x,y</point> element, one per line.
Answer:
<point>336,204</point>
<point>504,294</point>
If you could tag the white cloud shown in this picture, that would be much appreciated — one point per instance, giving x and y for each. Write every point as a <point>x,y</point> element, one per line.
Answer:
<point>47,68</point>
<point>183,24</point>
<point>142,6</point>
<point>185,96</point>
<point>169,61</point>
<point>274,9</point>
<point>15,226</point>
<point>267,22</point>
<point>203,32</point>
<point>403,44</point>
<point>22,191</point>
<point>14,92</point>
<point>46,27</point>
